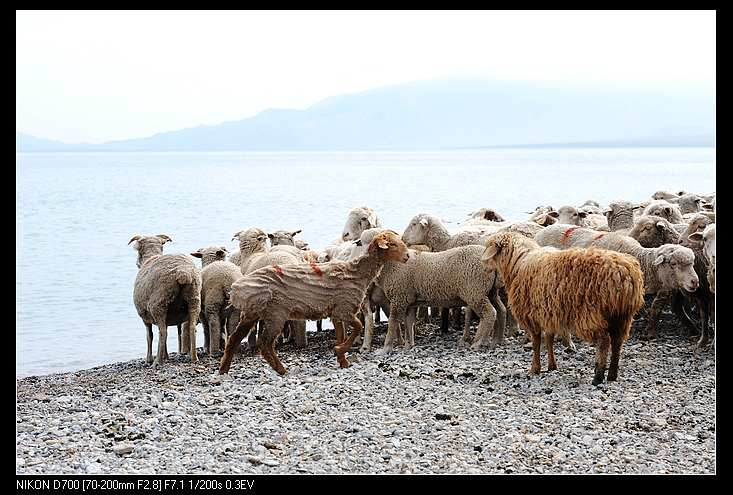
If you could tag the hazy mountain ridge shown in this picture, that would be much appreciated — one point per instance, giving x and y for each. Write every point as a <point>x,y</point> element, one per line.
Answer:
<point>446,115</point>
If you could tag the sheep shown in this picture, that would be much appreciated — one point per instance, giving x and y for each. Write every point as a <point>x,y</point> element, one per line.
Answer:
<point>666,195</point>
<point>652,231</point>
<point>283,237</point>
<point>358,220</point>
<point>591,206</point>
<point>210,254</point>
<point>335,289</point>
<point>689,203</point>
<point>488,214</point>
<point>593,293</point>
<point>167,291</point>
<point>666,268</point>
<point>571,215</point>
<point>664,209</point>
<point>707,237</point>
<point>620,215</point>
<point>429,230</point>
<point>216,282</point>
<point>446,279</point>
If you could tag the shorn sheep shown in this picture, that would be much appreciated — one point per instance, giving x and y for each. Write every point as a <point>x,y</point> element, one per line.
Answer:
<point>167,292</point>
<point>216,282</point>
<point>275,294</point>
<point>707,237</point>
<point>594,293</point>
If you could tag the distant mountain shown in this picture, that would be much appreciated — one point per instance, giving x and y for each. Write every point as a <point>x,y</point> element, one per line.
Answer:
<point>448,114</point>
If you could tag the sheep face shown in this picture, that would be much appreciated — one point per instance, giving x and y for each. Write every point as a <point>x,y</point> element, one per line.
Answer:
<point>570,215</point>
<point>417,231</point>
<point>663,195</point>
<point>666,210</point>
<point>283,237</point>
<point>210,254</point>
<point>544,215</point>
<point>302,245</point>
<point>675,266</point>
<point>502,247</point>
<point>689,203</point>
<point>653,232</point>
<point>698,223</point>
<point>147,246</point>
<point>358,221</point>
<point>251,240</point>
<point>389,246</point>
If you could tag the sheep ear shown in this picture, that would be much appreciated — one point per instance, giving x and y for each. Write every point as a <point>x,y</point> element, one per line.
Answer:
<point>270,236</point>
<point>659,260</point>
<point>220,252</point>
<point>667,210</point>
<point>223,248</point>
<point>134,238</point>
<point>490,251</point>
<point>164,238</point>
<point>660,225</point>
<point>582,214</point>
<point>235,237</point>
<point>553,214</point>
<point>695,236</point>
<point>424,222</point>
<point>358,242</point>
<point>382,243</point>
<point>197,254</point>
<point>292,234</point>
<point>637,207</point>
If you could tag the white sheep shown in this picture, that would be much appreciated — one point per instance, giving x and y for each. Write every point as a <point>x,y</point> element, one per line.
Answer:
<point>167,292</point>
<point>358,220</point>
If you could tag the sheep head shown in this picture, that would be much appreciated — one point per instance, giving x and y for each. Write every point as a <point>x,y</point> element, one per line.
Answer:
<point>389,246</point>
<point>675,267</point>
<point>283,237</point>
<point>358,220</point>
<point>652,231</point>
<point>148,246</point>
<point>503,247</point>
<point>251,240</point>
<point>210,254</point>
<point>417,231</point>
<point>570,215</point>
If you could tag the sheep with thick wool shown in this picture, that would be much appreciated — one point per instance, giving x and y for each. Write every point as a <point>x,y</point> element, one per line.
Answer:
<point>594,293</point>
<point>167,292</point>
<point>336,289</point>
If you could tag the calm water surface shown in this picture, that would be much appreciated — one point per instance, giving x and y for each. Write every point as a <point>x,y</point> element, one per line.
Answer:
<point>77,211</point>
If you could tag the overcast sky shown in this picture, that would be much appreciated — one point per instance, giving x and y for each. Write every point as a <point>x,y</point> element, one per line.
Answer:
<point>95,77</point>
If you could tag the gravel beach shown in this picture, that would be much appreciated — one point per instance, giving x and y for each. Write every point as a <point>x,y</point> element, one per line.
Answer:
<point>432,409</point>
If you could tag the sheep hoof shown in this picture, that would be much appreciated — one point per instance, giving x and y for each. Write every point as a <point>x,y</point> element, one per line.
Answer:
<point>149,359</point>
<point>475,347</point>
<point>217,354</point>
<point>597,381</point>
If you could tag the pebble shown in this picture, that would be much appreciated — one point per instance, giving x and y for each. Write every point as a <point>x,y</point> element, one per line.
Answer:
<point>434,409</point>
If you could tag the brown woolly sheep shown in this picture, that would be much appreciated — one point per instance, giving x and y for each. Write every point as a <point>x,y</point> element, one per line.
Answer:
<point>593,292</point>
<point>313,291</point>
<point>167,292</point>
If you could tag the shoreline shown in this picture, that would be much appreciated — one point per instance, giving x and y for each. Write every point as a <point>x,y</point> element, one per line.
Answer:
<point>432,409</point>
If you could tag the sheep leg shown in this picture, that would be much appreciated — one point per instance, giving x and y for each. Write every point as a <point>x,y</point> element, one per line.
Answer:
<point>422,314</point>
<point>184,339</point>
<point>410,327</point>
<point>252,337</point>
<point>536,342</point>
<point>615,354</point>
<point>487,315</point>
<point>266,343</point>
<point>319,325</point>
<point>457,318</point>
<point>704,309</point>
<point>368,328</point>
<point>338,327</point>
<point>393,328</point>
<point>162,336</point>
<point>149,333</point>
<point>678,309</point>
<point>180,348</point>
<point>550,344</point>
<point>500,322</point>
<point>567,341</point>
<point>653,316</point>
<point>244,327</point>
<point>467,325</point>
<point>214,333</point>
<point>355,332</point>
<point>207,334</point>
<point>602,345</point>
<point>193,317</point>
<point>377,315</point>
<point>444,320</point>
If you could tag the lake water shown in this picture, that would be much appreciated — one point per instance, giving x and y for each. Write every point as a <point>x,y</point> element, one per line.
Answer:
<point>77,211</point>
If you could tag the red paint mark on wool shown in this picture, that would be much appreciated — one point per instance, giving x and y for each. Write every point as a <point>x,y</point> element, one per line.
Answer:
<point>315,268</point>
<point>598,237</point>
<point>278,270</point>
<point>566,234</point>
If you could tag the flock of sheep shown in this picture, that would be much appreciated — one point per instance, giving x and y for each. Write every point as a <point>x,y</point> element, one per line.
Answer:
<point>580,271</point>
